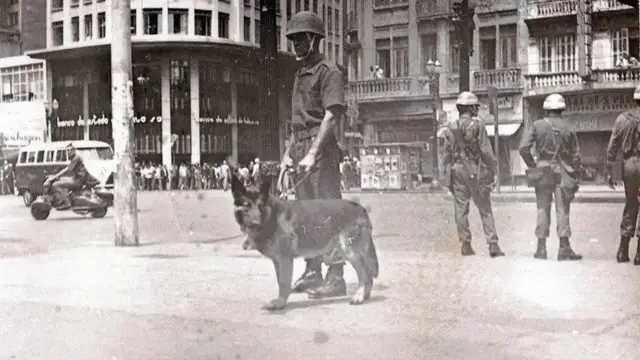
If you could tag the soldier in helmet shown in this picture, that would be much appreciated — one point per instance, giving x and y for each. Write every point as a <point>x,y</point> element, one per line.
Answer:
<point>625,137</point>
<point>558,159</point>
<point>470,168</point>
<point>318,102</point>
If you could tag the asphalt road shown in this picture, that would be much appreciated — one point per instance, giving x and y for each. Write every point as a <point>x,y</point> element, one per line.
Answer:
<point>407,222</point>
<point>191,293</point>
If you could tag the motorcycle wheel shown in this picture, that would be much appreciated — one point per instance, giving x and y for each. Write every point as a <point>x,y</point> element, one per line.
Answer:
<point>40,214</point>
<point>27,197</point>
<point>99,213</point>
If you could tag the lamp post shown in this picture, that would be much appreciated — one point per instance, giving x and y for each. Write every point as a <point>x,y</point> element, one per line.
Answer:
<point>433,73</point>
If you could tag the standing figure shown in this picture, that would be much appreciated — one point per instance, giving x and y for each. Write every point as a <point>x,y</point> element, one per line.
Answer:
<point>625,137</point>
<point>470,168</point>
<point>317,103</point>
<point>556,174</point>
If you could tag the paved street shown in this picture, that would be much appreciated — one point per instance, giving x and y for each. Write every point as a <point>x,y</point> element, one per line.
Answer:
<point>191,293</point>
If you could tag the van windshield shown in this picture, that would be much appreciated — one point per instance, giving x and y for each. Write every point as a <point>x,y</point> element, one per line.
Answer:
<point>102,153</point>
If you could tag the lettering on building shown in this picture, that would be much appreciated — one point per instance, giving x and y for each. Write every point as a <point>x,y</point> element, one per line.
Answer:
<point>228,121</point>
<point>104,121</point>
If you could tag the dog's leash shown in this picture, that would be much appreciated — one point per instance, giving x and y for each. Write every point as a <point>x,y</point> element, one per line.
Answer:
<point>289,191</point>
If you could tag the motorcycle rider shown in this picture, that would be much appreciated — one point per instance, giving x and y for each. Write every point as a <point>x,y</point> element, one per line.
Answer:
<point>76,177</point>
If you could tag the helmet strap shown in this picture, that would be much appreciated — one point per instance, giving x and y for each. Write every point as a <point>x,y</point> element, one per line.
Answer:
<point>312,43</point>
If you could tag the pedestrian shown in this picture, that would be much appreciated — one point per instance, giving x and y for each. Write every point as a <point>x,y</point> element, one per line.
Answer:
<point>318,102</point>
<point>555,173</point>
<point>625,137</point>
<point>470,172</point>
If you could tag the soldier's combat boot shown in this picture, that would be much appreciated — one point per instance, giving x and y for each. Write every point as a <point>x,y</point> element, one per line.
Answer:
<point>467,250</point>
<point>623,250</point>
<point>541,250</point>
<point>333,285</point>
<point>494,250</point>
<point>311,278</point>
<point>565,252</point>
<point>636,260</point>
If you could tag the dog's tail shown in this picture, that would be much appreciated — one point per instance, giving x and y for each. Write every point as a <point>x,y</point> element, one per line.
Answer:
<point>371,257</point>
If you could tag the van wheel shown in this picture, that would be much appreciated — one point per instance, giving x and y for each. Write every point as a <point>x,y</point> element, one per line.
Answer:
<point>99,213</point>
<point>27,197</point>
<point>40,214</point>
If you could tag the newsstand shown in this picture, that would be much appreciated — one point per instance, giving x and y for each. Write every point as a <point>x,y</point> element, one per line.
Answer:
<point>271,170</point>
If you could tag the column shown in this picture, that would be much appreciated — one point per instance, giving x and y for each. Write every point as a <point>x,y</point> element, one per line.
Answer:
<point>194,73</point>
<point>85,107</point>
<point>414,47</point>
<point>165,19</point>
<point>139,19</point>
<point>191,19</point>
<point>252,26</point>
<point>368,40</point>
<point>107,19</point>
<point>49,92</point>
<point>81,12</point>
<point>443,45</point>
<point>234,115</point>
<point>283,25</point>
<point>66,22</point>
<point>94,22</point>
<point>48,32</point>
<point>214,20</point>
<point>165,91</point>
<point>236,20</point>
<point>498,48</point>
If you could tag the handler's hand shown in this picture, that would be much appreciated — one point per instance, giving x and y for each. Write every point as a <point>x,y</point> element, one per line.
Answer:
<point>308,162</point>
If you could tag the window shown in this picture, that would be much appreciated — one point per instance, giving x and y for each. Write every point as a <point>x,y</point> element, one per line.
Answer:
<point>508,46</point>
<point>58,33</point>
<point>278,37</point>
<point>619,44</point>
<point>306,5</point>
<point>40,156</point>
<point>488,48</point>
<point>50,156</point>
<point>328,50</point>
<point>88,27</point>
<point>247,29</point>
<point>75,29</point>
<point>429,50</point>
<point>23,157</point>
<point>56,5</point>
<point>75,3</point>
<point>203,23</point>
<point>14,2</point>
<point>257,30</point>
<point>134,22</point>
<point>102,25</point>
<point>31,157</point>
<point>152,21</point>
<point>315,6</point>
<point>61,156</point>
<point>223,25</point>
<point>12,19</point>
<point>337,51</point>
<point>178,20</point>
<point>337,21</point>
<point>557,54</point>
<point>88,2</point>
<point>400,56</point>
<point>454,54</point>
<point>22,83</point>
<point>383,55</point>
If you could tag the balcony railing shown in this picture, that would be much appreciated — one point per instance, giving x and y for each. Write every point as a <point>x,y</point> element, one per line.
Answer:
<point>500,78</point>
<point>546,9</point>
<point>602,79</point>
<point>390,3</point>
<point>433,8</point>
<point>553,80</point>
<point>609,5</point>
<point>617,76</point>
<point>392,88</point>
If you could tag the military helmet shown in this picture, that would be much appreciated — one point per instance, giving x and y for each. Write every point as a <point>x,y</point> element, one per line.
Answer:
<point>554,102</point>
<point>467,98</point>
<point>636,93</point>
<point>305,22</point>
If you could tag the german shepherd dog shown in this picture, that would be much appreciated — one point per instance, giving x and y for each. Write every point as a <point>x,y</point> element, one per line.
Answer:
<point>283,230</point>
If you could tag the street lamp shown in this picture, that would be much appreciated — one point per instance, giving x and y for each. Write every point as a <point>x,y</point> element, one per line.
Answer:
<point>433,73</point>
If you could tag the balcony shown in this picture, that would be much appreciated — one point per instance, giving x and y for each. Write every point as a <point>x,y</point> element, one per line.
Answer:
<point>609,5</point>
<point>540,9</point>
<point>433,9</point>
<point>389,3</point>
<point>603,79</point>
<point>393,89</point>
<point>502,79</point>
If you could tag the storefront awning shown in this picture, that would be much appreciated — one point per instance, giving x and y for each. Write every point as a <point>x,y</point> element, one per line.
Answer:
<point>503,129</point>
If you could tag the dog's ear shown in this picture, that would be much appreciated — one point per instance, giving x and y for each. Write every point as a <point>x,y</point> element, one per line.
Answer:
<point>237,189</point>
<point>265,187</point>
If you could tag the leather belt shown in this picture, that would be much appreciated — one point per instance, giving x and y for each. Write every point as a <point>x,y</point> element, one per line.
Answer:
<point>307,133</point>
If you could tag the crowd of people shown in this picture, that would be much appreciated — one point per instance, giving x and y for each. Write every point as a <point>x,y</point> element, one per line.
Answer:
<point>350,173</point>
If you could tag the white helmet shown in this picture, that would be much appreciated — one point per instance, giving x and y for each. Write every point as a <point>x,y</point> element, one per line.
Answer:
<point>636,93</point>
<point>554,102</point>
<point>467,98</point>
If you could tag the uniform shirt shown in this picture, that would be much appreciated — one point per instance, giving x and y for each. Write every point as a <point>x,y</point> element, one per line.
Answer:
<point>477,146</point>
<point>76,166</point>
<point>546,143</point>
<point>318,85</point>
<point>625,136</point>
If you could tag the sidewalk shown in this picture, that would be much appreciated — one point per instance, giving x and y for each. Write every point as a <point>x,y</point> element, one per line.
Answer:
<point>182,301</point>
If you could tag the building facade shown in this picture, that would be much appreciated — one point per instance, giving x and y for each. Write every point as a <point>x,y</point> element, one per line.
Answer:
<point>596,98</point>
<point>415,43</point>
<point>22,25</point>
<point>196,71</point>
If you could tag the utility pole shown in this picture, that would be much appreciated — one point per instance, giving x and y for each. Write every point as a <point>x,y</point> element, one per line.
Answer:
<point>270,80</point>
<point>125,195</point>
<point>463,22</point>
<point>493,106</point>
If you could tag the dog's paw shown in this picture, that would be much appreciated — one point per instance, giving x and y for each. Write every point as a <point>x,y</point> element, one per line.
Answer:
<point>359,297</point>
<point>276,304</point>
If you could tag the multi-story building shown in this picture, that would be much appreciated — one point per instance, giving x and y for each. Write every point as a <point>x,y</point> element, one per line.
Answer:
<point>196,71</point>
<point>597,93</point>
<point>411,40</point>
<point>21,26</point>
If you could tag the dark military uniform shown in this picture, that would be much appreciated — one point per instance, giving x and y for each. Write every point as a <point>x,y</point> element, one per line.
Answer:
<point>470,165</point>
<point>318,85</point>
<point>565,167</point>
<point>625,137</point>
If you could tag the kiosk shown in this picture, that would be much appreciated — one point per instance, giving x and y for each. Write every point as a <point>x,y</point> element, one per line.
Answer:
<point>393,166</point>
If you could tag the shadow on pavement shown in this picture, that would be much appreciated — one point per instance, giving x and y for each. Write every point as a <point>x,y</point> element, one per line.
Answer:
<point>214,241</point>
<point>318,302</point>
